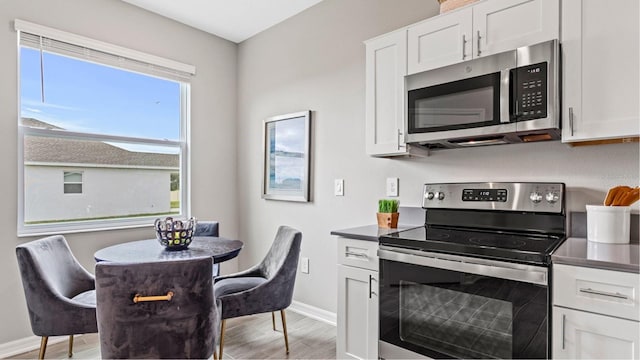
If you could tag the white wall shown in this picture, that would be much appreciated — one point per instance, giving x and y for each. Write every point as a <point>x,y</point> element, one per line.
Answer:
<point>316,61</point>
<point>105,192</point>
<point>213,126</point>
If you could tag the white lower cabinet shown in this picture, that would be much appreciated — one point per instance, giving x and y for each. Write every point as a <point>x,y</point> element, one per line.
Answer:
<point>357,333</point>
<point>595,313</point>
<point>584,335</point>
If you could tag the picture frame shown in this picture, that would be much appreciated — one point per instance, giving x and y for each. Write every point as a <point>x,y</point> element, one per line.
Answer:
<point>287,157</point>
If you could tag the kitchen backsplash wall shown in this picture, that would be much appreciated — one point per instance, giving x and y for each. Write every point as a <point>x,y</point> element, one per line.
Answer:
<point>316,61</point>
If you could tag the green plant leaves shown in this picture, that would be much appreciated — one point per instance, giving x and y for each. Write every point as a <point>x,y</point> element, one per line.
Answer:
<point>388,205</point>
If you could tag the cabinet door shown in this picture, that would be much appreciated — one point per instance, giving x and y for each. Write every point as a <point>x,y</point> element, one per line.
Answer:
<point>583,335</point>
<point>440,41</point>
<point>600,70</point>
<point>502,25</point>
<point>357,313</point>
<point>386,58</point>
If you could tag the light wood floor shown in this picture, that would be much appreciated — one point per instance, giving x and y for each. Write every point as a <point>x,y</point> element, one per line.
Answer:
<point>248,337</point>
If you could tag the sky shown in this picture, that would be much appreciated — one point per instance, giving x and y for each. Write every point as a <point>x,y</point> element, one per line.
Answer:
<point>85,97</point>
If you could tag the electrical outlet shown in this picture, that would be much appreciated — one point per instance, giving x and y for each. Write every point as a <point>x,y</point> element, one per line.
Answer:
<point>304,265</point>
<point>392,186</point>
<point>338,187</point>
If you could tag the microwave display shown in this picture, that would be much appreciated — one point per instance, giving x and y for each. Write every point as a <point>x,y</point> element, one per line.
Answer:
<point>530,91</point>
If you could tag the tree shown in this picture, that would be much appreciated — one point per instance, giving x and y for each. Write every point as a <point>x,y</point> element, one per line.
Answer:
<point>175,181</point>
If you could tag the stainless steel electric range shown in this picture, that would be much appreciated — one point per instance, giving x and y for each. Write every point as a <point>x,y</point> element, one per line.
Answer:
<point>474,281</point>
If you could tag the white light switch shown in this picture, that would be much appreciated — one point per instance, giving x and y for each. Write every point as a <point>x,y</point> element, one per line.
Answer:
<point>338,187</point>
<point>304,265</point>
<point>392,186</point>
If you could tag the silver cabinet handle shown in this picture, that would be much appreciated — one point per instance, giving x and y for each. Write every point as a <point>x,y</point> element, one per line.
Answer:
<point>399,135</point>
<point>571,120</point>
<point>360,255</point>
<point>479,43</point>
<point>464,45</point>
<point>604,293</point>
<point>371,292</point>
<point>564,319</point>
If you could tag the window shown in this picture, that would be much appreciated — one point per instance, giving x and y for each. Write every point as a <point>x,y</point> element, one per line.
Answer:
<point>114,118</point>
<point>72,182</point>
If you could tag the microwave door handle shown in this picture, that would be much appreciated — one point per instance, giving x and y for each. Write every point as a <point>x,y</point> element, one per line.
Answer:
<point>505,96</point>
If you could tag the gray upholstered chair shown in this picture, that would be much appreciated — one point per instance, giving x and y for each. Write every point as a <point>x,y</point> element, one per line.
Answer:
<point>266,287</point>
<point>164,309</point>
<point>60,293</point>
<point>208,228</point>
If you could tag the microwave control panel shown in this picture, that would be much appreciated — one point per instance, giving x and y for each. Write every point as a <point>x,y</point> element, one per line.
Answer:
<point>531,91</point>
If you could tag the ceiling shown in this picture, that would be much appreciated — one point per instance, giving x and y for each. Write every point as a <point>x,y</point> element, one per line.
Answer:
<point>234,20</point>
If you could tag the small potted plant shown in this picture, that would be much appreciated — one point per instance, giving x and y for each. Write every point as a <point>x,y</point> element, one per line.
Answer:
<point>388,213</point>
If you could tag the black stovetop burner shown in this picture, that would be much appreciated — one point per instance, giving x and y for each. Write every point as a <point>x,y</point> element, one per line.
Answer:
<point>517,222</point>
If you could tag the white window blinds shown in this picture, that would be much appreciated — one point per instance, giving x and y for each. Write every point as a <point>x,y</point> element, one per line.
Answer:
<point>68,44</point>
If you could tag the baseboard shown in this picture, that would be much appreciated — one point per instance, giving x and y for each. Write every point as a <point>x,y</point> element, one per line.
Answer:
<point>313,312</point>
<point>27,344</point>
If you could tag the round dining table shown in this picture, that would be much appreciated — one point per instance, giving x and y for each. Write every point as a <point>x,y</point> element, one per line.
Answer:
<point>219,248</point>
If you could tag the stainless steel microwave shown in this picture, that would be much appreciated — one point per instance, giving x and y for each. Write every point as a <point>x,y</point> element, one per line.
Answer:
<point>510,97</point>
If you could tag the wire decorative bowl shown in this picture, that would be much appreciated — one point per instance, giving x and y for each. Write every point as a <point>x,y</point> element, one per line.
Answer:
<point>175,234</point>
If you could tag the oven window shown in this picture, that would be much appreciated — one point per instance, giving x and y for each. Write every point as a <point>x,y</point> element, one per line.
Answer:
<point>458,324</point>
<point>461,104</point>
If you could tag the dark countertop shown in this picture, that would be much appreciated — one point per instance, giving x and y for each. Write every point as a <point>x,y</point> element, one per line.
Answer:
<point>580,252</point>
<point>369,232</point>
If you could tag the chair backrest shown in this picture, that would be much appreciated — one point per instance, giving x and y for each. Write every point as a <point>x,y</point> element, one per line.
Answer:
<point>51,275</point>
<point>283,254</point>
<point>207,228</point>
<point>183,327</point>
<point>281,264</point>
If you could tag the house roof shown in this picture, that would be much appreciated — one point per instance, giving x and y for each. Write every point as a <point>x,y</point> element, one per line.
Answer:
<point>43,149</point>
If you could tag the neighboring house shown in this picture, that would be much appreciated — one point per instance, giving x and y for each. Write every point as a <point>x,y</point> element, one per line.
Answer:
<point>68,179</point>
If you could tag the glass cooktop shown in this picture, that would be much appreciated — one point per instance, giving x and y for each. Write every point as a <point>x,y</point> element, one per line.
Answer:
<point>529,248</point>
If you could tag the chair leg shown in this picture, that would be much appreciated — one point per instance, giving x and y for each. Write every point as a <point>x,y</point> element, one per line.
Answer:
<point>43,347</point>
<point>273,320</point>
<point>215,355</point>
<point>70,345</point>
<point>221,338</point>
<point>284,330</point>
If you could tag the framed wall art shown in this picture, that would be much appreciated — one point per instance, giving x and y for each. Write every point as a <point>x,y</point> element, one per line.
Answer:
<point>287,140</point>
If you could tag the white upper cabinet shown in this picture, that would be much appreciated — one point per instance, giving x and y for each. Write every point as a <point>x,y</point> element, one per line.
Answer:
<point>600,58</point>
<point>502,25</point>
<point>441,41</point>
<point>386,58</point>
<point>486,28</point>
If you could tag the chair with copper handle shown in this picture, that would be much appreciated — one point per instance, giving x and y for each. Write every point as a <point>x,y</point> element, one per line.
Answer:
<point>161,310</point>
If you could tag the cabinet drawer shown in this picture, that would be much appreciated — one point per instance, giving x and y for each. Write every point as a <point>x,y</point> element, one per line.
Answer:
<point>606,292</point>
<point>358,253</point>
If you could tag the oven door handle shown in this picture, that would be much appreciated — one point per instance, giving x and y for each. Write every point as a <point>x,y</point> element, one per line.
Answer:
<point>517,272</point>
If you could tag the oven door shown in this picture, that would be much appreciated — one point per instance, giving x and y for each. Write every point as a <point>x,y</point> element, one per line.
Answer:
<point>446,306</point>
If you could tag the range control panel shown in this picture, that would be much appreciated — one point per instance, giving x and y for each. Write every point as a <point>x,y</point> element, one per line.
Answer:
<point>484,195</point>
<point>534,197</point>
